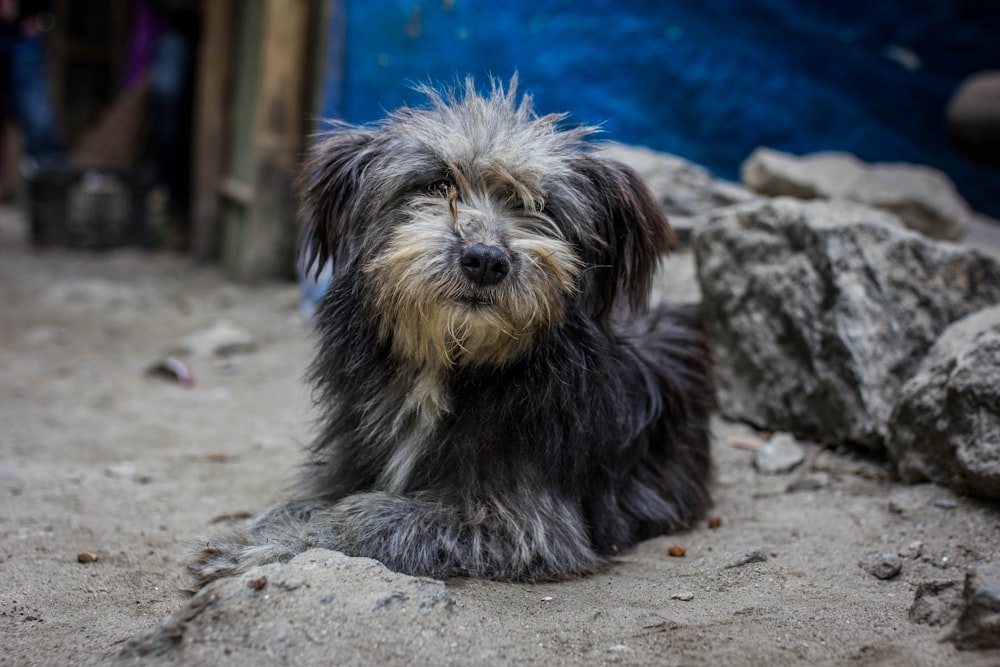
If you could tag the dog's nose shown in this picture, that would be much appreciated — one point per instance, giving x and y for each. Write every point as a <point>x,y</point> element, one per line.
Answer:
<point>484,264</point>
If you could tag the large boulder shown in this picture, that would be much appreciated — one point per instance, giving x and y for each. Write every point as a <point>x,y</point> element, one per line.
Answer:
<point>820,311</point>
<point>924,198</point>
<point>682,188</point>
<point>946,425</point>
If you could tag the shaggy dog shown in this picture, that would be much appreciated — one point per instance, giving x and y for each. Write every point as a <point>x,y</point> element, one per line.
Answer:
<point>498,400</point>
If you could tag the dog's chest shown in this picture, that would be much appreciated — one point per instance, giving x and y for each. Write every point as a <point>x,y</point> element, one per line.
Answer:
<point>402,423</point>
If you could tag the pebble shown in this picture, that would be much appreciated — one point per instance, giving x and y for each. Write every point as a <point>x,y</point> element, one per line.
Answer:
<point>751,555</point>
<point>903,503</point>
<point>779,454</point>
<point>86,557</point>
<point>291,585</point>
<point>914,550</point>
<point>813,482</point>
<point>686,596</point>
<point>750,443</point>
<point>881,565</point>
<point>127,470</point>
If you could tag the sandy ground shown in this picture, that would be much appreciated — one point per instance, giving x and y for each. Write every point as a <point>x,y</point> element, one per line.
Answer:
<point>98,457</point>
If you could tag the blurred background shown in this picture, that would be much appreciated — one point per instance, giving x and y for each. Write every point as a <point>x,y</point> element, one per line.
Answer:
<point>186,120</point>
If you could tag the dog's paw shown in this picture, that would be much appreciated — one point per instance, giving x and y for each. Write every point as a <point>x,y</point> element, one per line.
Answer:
<point>210,563</point>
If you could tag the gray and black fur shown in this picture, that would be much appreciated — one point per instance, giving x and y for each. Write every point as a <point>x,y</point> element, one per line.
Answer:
<point>498,400</point>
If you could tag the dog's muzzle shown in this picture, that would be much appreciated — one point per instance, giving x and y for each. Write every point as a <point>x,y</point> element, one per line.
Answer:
<point>484,265</point>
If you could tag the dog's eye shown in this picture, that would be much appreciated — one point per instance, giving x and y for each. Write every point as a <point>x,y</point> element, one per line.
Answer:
<point>530,205</point>
<point>517,203</point>
<point>444,187</point>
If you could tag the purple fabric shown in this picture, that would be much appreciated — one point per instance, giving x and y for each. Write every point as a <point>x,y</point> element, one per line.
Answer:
<point>146,31</point>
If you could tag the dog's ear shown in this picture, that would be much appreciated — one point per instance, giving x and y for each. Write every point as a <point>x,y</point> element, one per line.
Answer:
<point>330,186</point>
<point>632,232</point>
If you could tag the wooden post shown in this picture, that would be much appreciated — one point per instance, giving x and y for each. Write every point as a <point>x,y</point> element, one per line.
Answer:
<point>268,249</point>
<point>211,126</point>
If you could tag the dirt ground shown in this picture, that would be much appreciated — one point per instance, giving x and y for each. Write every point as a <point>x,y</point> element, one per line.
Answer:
<point>99,457</point>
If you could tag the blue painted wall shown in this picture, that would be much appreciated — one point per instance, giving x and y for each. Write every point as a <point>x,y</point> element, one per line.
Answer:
<point>708,80</point>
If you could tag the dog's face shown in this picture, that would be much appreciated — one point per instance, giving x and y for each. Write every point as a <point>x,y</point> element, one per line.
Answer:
<point>474,226</point>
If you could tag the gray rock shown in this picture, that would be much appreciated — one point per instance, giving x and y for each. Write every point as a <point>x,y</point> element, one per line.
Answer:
<point>682,188</point>
<point>881,565</point>
<point>820,311</point>
<point>946,425</point>
<point>925,199</point>
<point>936,602</point>
<point>978,627</point>
<point>751,555</point>
<point>973,117</point>
<point>320,604</point>
<point>779,454</point>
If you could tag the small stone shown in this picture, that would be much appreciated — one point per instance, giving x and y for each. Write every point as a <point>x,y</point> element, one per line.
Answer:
<point>619,648</point>
<point>779,454</point>
<point>751,555</point>
<point>914,549</point>
<point>676,551</point>
<point>715,522</point>
<point>750,443</point>
<point>258,583</point>
<point>881,565</point>
<point>898,504</point>
<point>906,502</point>
<point>813,482</point>
<point>129,471</point>
<point>978,626</point>
<point>936,602</point>
<point>686,596</point>
<point>945,503</point>
<point>547,598</point>
<point>86,557</point>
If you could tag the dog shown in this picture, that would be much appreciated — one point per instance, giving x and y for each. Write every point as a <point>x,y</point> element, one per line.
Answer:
<point>498,399</point>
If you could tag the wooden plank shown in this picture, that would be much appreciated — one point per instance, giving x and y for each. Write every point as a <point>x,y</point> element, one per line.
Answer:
<point>268,242</point>
<point>208,160</point>
<point>241,164</point>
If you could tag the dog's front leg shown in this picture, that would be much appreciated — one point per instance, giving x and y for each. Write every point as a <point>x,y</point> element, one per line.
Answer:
<point>523,537</point>
<point>527,537</point>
